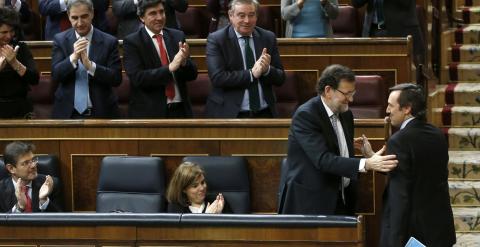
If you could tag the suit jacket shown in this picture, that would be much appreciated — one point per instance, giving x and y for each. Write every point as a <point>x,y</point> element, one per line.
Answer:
<point>24,11</point>
<point>416,200</point>
<point>103,51</point>
<point>229,77</point>
<point>315,167</point>
<point>8,198</point>
<point>128,21</point>
<point>52,11</point>
<point>148,77</point>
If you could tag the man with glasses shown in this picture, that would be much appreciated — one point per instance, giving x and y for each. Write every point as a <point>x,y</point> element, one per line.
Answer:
<point>322,170</point>
<point>26,191</point>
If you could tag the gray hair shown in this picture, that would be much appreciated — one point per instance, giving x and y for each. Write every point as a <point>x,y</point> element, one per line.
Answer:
<point>234,3</point>
<point>72,3</point>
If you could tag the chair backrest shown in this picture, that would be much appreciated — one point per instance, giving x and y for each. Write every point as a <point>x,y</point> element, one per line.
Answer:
<point>194,22</point>
<point>269,18</point>
<point>131,184</point>
<point>42,96</point>
<point>371,97</point>
<point>198,91</point>
<point>345,25</point>
<point>287,96</point>
<point>227,175</point>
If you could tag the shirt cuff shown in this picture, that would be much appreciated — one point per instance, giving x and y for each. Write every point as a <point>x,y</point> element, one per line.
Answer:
<point>135,2</point>
<point>361,167</point>
<point>91,71</point>
<point>17,6</point>
<point>63,5</point>
<point>15,209</point>
<point>251,75</point>
<point>44,206</point>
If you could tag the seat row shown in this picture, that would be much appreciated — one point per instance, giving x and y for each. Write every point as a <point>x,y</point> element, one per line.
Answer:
<point>369,101</point>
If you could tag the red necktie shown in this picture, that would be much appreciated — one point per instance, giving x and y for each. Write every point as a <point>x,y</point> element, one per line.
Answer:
<point>65,22</point>
<point>28,205</point>
<point>169,89</point>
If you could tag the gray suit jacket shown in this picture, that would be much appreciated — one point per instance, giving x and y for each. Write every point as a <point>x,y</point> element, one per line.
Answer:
<point>228,76</point>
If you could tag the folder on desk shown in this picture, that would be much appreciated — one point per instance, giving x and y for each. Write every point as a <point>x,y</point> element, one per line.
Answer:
<point>413,242</point>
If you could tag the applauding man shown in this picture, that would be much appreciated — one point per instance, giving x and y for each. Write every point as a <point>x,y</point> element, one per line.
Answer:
<point>26,190</point>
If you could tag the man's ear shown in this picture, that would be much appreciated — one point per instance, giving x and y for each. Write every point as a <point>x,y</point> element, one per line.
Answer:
<point>11,168</point>
<point>407,110</point>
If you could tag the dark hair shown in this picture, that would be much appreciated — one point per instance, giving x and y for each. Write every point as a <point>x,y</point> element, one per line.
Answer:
<point>9,17</point>
<point>72,3</point>
<point>332,75</point>
<point>183,177</point>
<point>143,5</point>
<point>412,95</point>
<point>14,150</point>
<point>233,3</point>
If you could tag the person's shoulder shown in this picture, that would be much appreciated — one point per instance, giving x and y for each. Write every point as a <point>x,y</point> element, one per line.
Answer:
<point>220,33</point>
<point>105,36</point>
<point>173,31</point>
<point>62,35</point>
<point>134,37</point>
<point>175,208</point>
<point>308,107</point>
<point>265,32</point>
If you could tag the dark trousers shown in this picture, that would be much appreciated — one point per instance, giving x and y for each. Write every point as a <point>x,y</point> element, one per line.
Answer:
<point>265,113</point>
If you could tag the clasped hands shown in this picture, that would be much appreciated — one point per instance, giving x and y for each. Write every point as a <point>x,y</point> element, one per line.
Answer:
<point>261,65</point>
<point>216,207</point>
<point>80,53</point>
<point>45,191</point>
<point>375,160</point>
<point>180,58</point>
<point>8,54</point>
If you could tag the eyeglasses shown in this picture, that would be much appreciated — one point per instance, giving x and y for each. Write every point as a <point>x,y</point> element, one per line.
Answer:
<point>348,95</point>
<point>31,162</point>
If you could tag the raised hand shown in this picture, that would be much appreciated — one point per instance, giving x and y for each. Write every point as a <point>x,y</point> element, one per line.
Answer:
<point>9,53</point>
<point>362,144</point>
<point>180,58</point>
<point>217,206</point>
<point>79,47</point>
<point>46,189</point>
<point>20,187</point>
<point>381,163</point>
<point>262,64</point>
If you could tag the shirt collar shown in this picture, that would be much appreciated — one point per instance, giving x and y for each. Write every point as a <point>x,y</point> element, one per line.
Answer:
<point>88,36</point>
<point>239,36</point>
<point>151,34</point>
<point>329,111</point>
<point>29,185</point>
<point>406,122</point>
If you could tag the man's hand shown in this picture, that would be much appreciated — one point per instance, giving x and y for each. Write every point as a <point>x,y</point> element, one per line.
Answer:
<point>85,60</point>
<point>79,47</point>
<point>3,62</point>
<point>20,194</point>
<point>180,58</point>
<point>46,189</point>
<point>381,163</point>
<point>300,3</point>
<point>262,64</point>
<point>362,144</point>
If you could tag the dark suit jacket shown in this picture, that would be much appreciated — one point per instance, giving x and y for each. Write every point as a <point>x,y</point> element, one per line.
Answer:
<point>148,77</point>
<point>8,198</point>
<point>104,52</point>
<point>400,20</point>
<point>128,21</point>
<point>315,167</point>
<point>179,209</point>
<point>228,76</point>
<point>52,11</point>
<point>416,200</point>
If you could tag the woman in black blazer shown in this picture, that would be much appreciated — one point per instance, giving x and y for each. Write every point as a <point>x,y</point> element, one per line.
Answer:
<point>187,192</point>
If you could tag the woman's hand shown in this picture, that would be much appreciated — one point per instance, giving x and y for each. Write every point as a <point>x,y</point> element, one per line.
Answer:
<point>217,206</point>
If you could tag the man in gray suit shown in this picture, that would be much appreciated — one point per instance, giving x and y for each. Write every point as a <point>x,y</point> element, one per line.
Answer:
<point>243,64</point>
<point>393,18</point>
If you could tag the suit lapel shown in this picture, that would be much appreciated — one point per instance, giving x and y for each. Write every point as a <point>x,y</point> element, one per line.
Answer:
<point>258,42</point>
<point>234,47</point>
<point>71,39</point>
<point>346,132</point>
<point>170,45</point>
<point>10,190</point>
<point>327,125</point>
<point>95,43</point>
<point>149,49</point>
<point>36,185</point>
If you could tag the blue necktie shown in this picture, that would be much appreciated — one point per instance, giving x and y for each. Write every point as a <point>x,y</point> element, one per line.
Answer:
<point>81,89</point>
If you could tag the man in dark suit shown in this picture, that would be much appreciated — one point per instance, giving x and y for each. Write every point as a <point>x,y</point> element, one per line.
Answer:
<point>158,75</point>
<point>416,200</point>
<point>128,22</point>
<point>25,190</point>
<point>85,65</point>
<point>393,18</point>
<point>321,166</point>
<point>243,64</point>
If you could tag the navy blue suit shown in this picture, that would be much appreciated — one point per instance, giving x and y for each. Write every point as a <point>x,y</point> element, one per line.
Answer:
<point>315,167</point>
<point>229,77</point>
<point>104,52</point>
<point>148,77</point>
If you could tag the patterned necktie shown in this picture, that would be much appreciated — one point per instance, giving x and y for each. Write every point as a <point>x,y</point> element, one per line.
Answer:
<point>169,89</point>
<point>28,205</point>
<point>253,93</point>
<point>345,181</point>
<point>81,88</point>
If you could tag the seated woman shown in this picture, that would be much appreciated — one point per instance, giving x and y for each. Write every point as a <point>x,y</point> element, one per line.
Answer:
<point>17,69</point>
<point>308,18</point>
<point>187,192</point>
